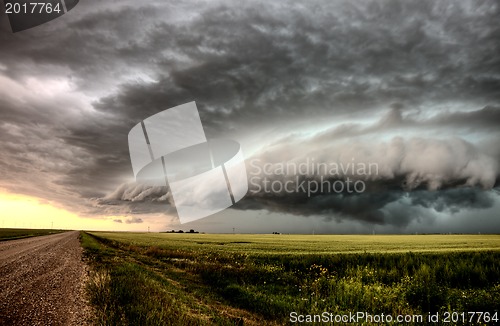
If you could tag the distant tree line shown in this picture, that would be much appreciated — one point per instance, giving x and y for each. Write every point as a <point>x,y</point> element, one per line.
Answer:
<point>181,231</point>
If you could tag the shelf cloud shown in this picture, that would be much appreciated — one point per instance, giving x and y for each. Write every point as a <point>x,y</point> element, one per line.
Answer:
<point>412,86</point>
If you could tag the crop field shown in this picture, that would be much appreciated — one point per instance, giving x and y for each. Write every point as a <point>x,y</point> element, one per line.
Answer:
<point>206,279</point>
<point>11,234</point>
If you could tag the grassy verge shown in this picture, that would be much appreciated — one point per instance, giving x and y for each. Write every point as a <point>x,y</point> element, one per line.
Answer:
<point>139,283</point>
<point>129,288</point>
<point>12,234</point>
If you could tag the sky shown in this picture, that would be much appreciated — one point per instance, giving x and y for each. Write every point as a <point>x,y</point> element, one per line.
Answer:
<point>411,87</point>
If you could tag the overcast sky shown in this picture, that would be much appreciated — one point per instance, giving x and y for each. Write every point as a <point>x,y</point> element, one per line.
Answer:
<point>413,86</point>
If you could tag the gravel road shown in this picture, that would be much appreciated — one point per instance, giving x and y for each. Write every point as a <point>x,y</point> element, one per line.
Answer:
<point>42,281</point>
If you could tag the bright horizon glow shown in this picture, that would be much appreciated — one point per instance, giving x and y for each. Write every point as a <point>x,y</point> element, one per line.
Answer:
<point>21,211</point>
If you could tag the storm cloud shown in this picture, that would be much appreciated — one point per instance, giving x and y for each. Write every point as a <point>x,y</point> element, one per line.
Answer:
<point>413,86</point>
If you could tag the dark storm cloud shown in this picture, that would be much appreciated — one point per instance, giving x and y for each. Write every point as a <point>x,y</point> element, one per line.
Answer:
<point>304,61</point>
<point>373,207</point>
<point>251,65</point>
<point>135,199</point>
<point>85,45</point>
<point>363,207</point>
<point>411,180</point>
<point>429,162</point>
<point>452,200</point>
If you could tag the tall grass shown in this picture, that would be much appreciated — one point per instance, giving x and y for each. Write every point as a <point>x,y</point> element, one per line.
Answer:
<point>270,286</point>
<point>126,291</point>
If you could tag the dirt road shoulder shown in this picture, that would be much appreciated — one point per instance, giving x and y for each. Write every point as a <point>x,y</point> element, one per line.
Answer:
<point>42,281</point>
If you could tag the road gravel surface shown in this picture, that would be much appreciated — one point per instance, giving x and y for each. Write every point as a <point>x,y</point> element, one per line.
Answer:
<point>42,281</point>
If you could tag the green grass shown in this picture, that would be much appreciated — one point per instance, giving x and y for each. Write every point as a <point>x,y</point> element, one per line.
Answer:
<point>12,234</point>
<point>164,279</point>
<point>308,244</point>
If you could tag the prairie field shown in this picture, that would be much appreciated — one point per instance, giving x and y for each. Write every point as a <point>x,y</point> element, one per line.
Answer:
<point>240,279</point>
<point>12,234</point>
